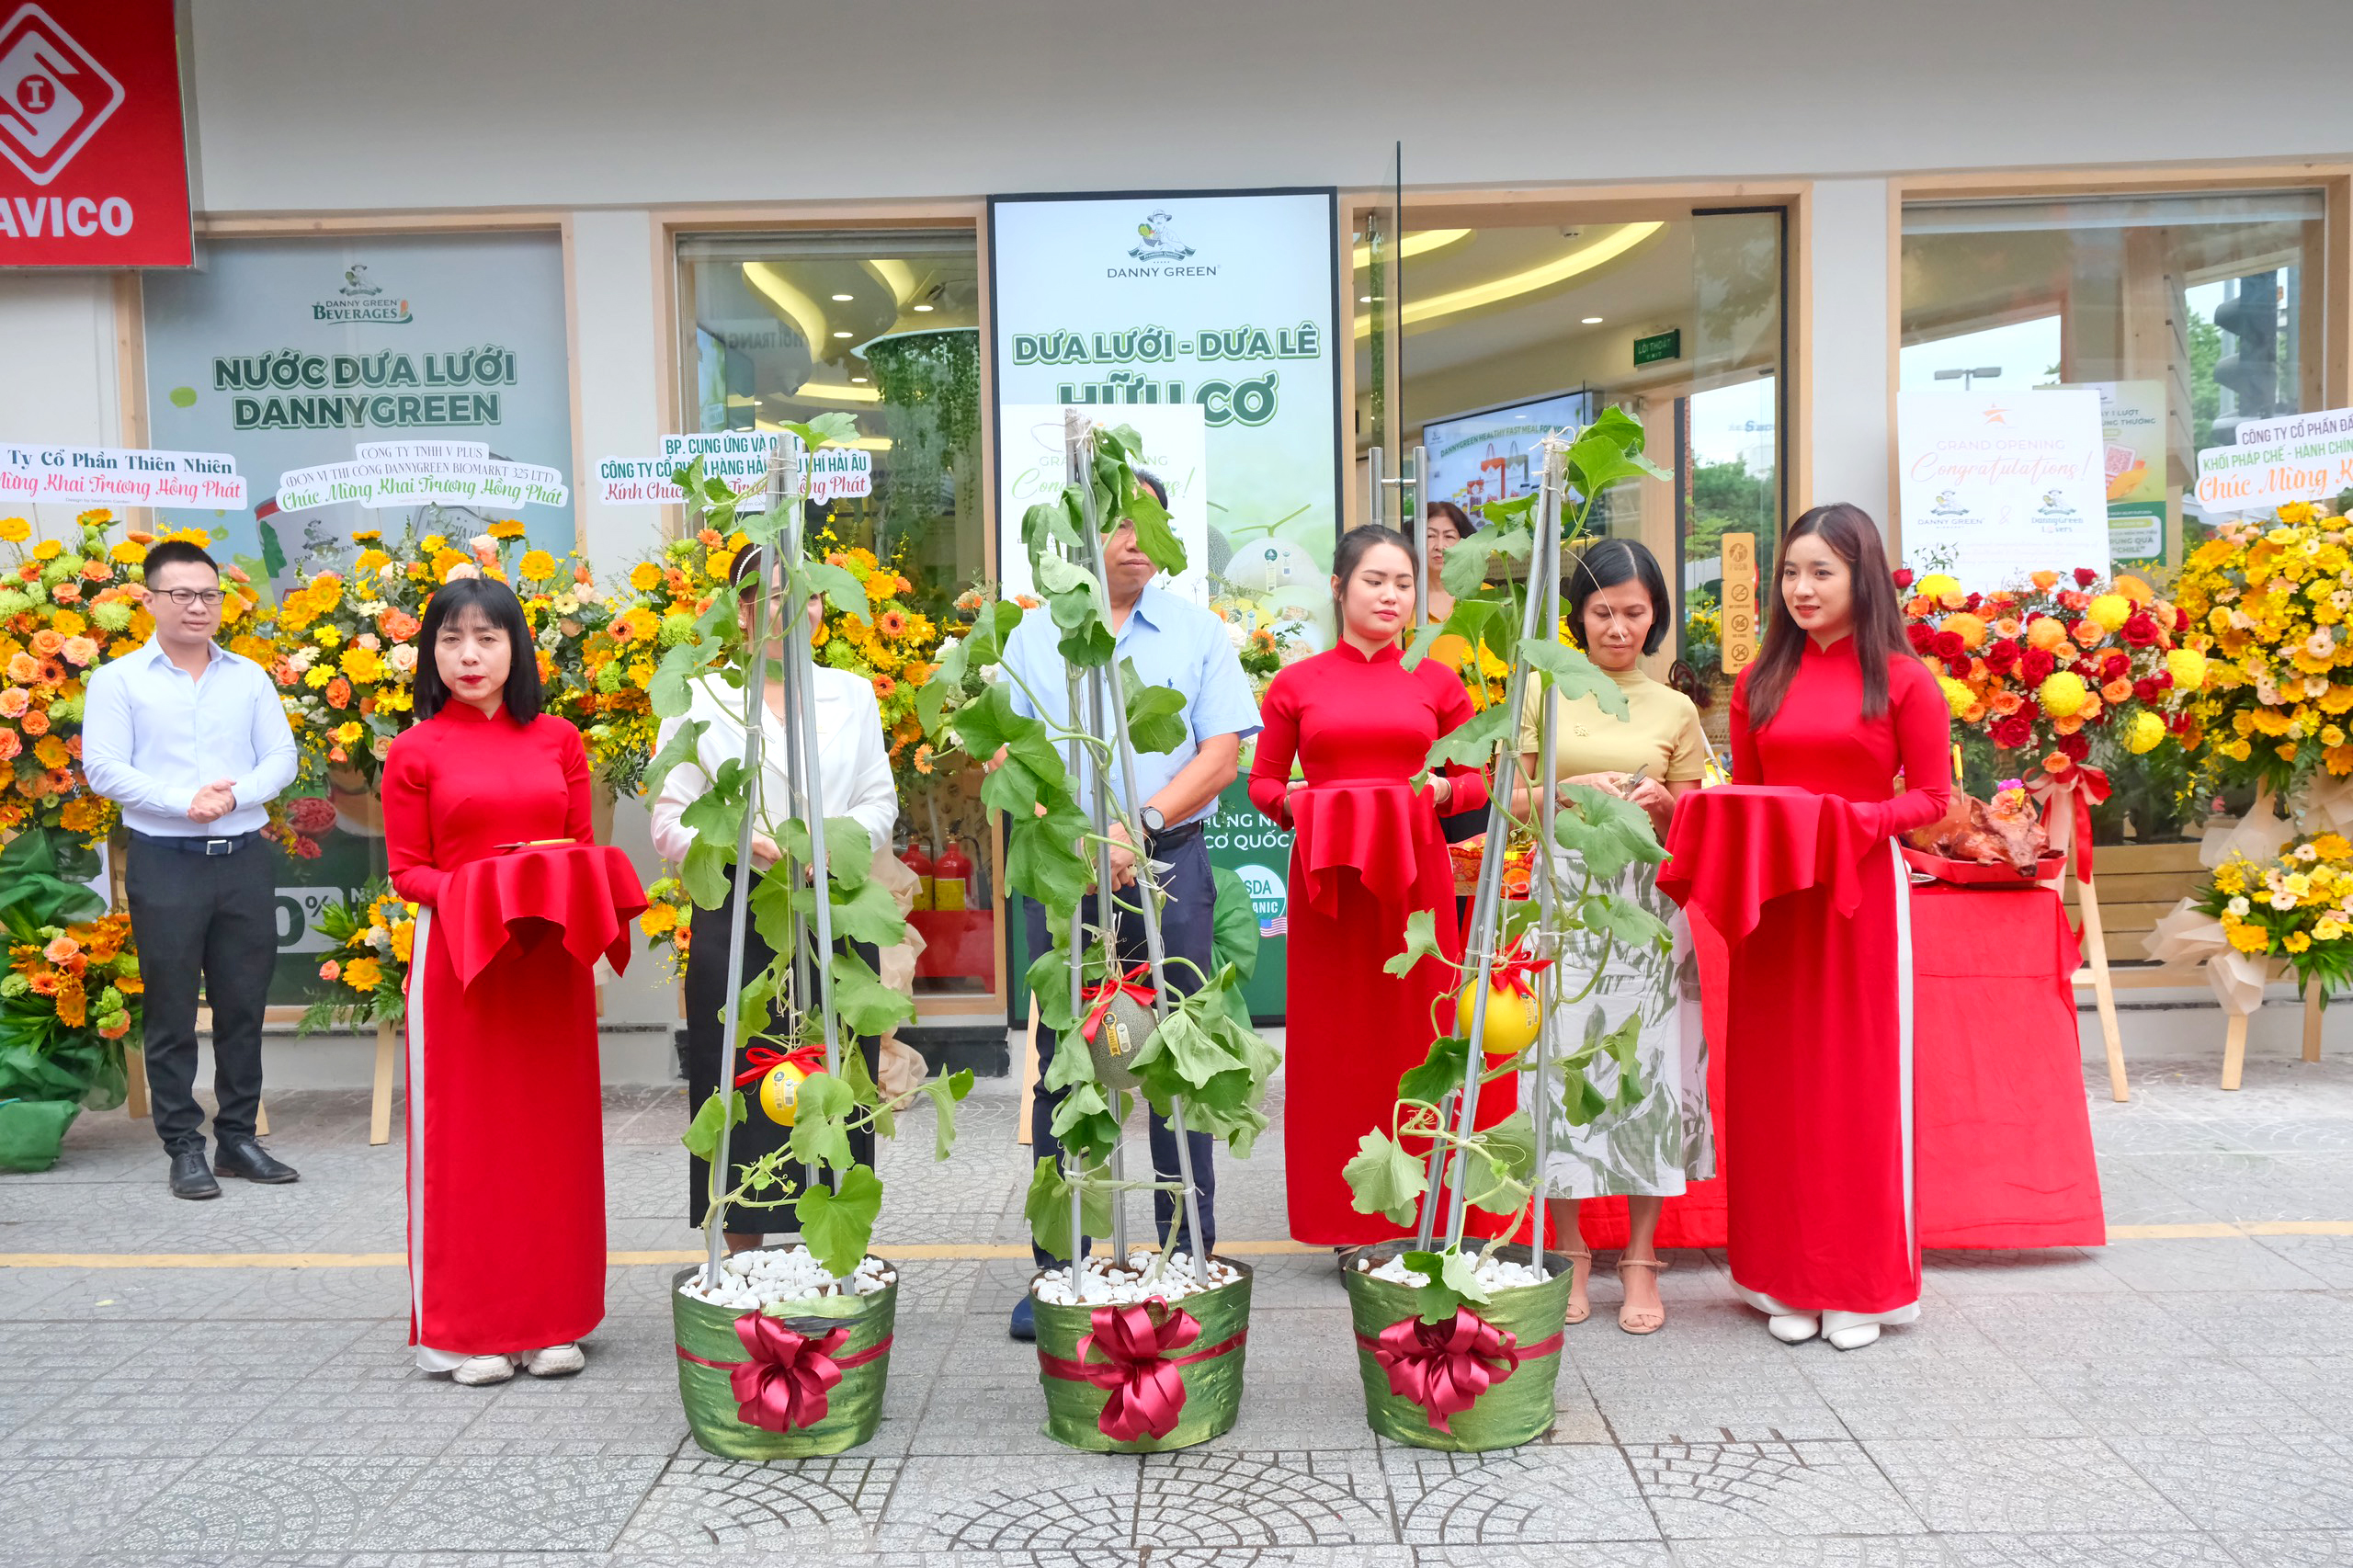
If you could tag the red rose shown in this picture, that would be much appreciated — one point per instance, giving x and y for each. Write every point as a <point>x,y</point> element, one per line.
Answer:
<point>2035,666</point>
<point>2146,690</point>
<point>2142,629</point>
<point>2089,670</point>
<point>1957,669</point>
<point>1923,636</point>
<point>2077,745</point>
<point>1974,600</point>
<point>2001,656</point>
<point>1903,575</point>
<point>1948,646</point>
<point>2013,733</point>
<point>2084,578</point>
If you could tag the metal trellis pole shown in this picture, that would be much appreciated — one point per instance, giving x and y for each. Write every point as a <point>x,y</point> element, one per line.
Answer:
<point>1546,561</point>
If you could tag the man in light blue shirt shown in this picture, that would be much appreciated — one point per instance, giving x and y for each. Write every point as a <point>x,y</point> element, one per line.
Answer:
<point>192,742</point>
<point>1183,646</point>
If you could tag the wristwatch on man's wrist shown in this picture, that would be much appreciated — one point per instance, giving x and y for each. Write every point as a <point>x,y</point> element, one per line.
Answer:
<point>1152,820</point>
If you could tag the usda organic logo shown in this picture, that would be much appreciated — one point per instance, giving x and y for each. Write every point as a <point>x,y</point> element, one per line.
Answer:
<point>1270,898</point>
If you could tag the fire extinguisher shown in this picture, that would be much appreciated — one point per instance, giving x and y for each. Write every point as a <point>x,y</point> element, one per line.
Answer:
<point>951,886</point>
<point>916,860</point>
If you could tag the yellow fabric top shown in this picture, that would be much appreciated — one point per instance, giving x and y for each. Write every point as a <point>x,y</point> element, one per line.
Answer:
<point>1662,728</point>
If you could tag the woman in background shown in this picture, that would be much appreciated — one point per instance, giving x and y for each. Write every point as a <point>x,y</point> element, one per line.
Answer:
<point>1620,609</point>
<point>854,768</point>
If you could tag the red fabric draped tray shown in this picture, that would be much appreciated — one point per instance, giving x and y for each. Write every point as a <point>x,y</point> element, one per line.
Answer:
<point>589,891</point>
<point>2002,1132</point>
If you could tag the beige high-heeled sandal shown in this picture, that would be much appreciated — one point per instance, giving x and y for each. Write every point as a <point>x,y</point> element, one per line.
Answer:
<point>1577,1312</point>
<point>1645,1320</point>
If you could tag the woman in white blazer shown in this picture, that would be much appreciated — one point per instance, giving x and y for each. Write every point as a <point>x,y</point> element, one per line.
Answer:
<point>853,764</point>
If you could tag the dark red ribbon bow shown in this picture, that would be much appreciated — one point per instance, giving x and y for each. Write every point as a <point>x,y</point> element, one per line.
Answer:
<point>786,1383</point>
<point>764,1060</point>
<point>2085,787</point>
<point>1147,1392</point>
<point>1104,993</point>
<point>1444,1367</point>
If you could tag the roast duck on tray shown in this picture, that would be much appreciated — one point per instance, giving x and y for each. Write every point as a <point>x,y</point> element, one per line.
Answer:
<point>1997,843</point>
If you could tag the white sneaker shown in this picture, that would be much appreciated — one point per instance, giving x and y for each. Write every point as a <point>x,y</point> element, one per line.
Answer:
<point>475,1371</point>
<point>555,1361</point>
<point>1795,1328</point>
<point>1849,1334</point>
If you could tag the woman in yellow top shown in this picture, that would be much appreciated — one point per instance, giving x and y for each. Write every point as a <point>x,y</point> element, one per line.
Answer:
<point>1620,609</point>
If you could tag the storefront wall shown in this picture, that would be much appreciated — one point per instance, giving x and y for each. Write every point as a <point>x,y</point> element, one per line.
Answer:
<point>622,128</point>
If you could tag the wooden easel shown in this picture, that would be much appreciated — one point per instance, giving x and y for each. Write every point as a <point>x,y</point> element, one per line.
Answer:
<point>380,1103</point>
<point>2063,834</point>
<point>2234,1037</point>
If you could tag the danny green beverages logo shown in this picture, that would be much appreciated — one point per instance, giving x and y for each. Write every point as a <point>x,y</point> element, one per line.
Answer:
<point>1159,239</point>
<point>360,299</point>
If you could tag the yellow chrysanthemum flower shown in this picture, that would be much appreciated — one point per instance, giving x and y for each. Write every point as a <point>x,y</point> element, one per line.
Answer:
<point>645,576</point>
<point>16,530</point>
<point>2145,734</point>
<point>1957,697</point>
<point>2064,694</point>
<point>537,566</point>
<point>2110,611</point>
<point>510,529</point>
<point>2188,667</point>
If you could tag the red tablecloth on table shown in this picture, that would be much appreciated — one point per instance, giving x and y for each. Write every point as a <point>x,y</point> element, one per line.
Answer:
<point>2003,1134</point>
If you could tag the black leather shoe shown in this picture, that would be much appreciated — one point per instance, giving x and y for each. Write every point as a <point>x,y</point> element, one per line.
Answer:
<point>244,1157</point>
<point>189,1178</point>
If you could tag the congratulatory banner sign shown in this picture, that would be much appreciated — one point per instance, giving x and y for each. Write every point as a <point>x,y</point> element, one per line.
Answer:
<point>1225,302</point>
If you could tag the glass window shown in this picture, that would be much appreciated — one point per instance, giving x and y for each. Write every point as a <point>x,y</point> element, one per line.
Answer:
<point>2189,314</point>
<point>884,325</point>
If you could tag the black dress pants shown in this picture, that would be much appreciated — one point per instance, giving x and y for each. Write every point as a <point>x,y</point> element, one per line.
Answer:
<point>206,921</point>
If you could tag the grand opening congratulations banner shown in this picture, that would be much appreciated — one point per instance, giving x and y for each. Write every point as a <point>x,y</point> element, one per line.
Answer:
<point>1223,302</point>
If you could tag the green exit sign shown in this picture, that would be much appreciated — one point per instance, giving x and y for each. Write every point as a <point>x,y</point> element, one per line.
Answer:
<point>1658,346</point>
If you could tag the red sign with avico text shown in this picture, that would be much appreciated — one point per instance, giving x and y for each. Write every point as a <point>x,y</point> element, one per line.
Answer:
<point>92,153</point>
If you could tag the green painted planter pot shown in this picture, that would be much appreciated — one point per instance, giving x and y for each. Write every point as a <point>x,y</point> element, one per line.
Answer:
<point>854,1405</point>
<point>1514,1410</point>
<point>1211,1382</point>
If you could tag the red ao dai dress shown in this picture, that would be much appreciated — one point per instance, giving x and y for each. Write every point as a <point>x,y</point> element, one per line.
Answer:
<point>1367,853</point>
<point>506,1119</point>
<point>1818,1065</point>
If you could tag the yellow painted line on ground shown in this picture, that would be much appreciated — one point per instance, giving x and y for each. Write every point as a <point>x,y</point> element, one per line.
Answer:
<point>962,1252</point>
<point>935,1250</point>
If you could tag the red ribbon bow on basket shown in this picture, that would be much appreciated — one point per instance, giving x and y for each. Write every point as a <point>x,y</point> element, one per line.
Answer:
<point>784,1386</point>
<point>2085,787</point>
<point>765,1059</point>
<point>1444,1367</point>
<point>1147,1396</point>
<point>1104,993</point>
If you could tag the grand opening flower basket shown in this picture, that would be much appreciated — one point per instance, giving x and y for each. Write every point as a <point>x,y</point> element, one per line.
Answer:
<point>1482,1379</point>
<point>808,1382</point>
<point>1143,1378</point>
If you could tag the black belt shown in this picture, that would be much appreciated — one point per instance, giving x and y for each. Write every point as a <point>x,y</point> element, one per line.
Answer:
<point>192,844</point>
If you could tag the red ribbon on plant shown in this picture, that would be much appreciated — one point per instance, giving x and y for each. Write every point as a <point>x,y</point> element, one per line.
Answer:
<point>1103,994</point>
<point>1517,970</point>
<point>765,1059</point>
<point>1444,1367</point>
<point>785,1385</point>
<point>2086,786</point>
<point>1147,1396</point>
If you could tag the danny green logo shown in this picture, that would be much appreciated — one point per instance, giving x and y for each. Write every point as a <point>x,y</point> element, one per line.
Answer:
<point>361,299</point>
<point>1160,242</point>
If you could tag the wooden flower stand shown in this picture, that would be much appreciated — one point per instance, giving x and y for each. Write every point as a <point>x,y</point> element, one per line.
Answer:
<point>2234,1037</point>
<point>2062,822</point>
<point>379,1104</point>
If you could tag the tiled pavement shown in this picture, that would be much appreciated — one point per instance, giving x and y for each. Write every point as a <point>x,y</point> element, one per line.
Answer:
<point>2176,1401</point>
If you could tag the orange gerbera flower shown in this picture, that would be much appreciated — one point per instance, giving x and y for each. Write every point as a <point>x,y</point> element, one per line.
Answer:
<point>883,687</point>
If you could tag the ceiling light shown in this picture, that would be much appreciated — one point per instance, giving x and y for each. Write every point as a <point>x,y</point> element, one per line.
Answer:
<point>841,335</point>
<point>923,307</point>
<point>844,298</point>
<point>1364,299</point>
<point>857,381</point>
<point>834,392</point>
<point>1585,258</point>
<point>1593,321</point>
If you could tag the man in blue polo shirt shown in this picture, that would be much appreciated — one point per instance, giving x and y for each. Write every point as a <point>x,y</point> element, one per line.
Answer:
<point>1181,645</point>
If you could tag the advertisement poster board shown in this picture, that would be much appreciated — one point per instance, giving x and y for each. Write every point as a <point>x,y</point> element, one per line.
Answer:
<point>304,354</point>
<point>294,354</point>
<point>2133,433</point>
<point>1997,484</point>
<point>1228,301</point>
<point>1031,468</point>
<point>1481,456</point>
